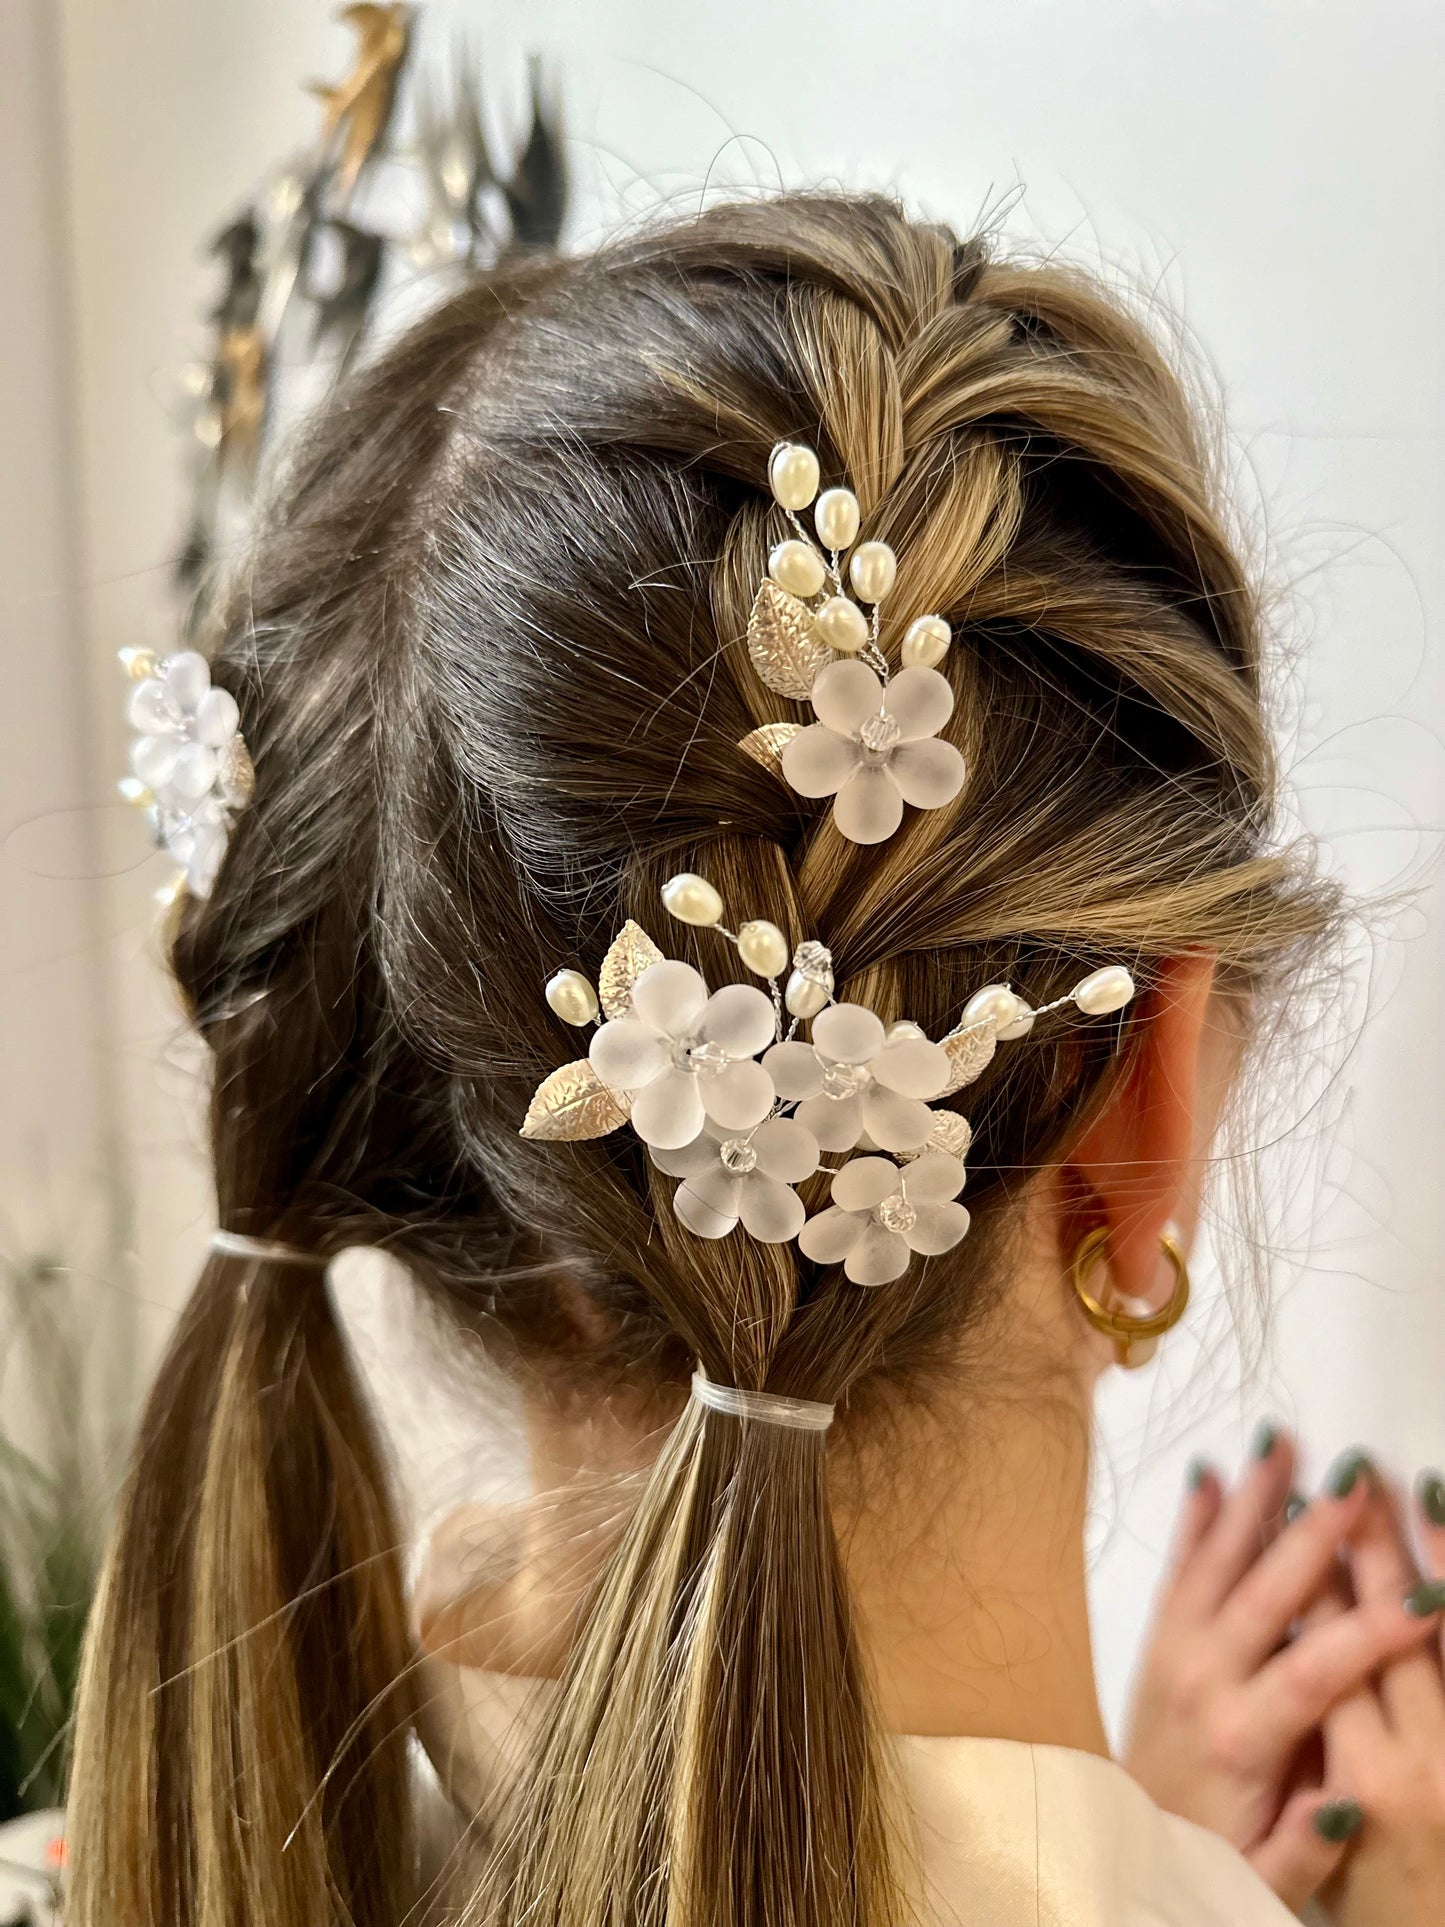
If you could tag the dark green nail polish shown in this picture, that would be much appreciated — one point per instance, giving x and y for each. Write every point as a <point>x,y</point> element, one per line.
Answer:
<point>1345,1472</point>
<point>1196,1474</point>
<point>1431,1493</point>
<point>1294,1505</point>
<point>1266,1438</point>
<point>1339,1820</point>
<point>1426,1598</point>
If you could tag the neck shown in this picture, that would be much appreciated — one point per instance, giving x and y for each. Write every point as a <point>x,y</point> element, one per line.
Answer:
<point>972,1600</point>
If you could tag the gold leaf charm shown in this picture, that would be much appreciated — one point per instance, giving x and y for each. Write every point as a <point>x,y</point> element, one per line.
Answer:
<point>573,1103</point>
<point>970,1052</point>
<point>766,744</point>
<point>781,641</point>
<point>632,952</point>
<point>950,1133</point>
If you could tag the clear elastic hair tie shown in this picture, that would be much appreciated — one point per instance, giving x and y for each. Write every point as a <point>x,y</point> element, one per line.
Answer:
<point>763,1408</point>
<point>235,1244</point>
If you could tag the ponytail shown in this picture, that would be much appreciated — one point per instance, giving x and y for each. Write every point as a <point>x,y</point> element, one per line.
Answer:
<point>240,1749</point>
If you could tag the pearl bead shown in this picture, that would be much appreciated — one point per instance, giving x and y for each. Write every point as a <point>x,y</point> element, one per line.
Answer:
<point>1106,990</point>
<point>692,899</point>
<point>763,947</point>
<point>842,625</point>
<point>836,518</point>
<point>793,475</point>
<point>137,663</point>
<point>571,997</point>
<point>903,1032</point>
<point>1021,1025</point>
<point>797,567</point>
<point>135,792</point>
<point>995,1004</point>
<point>925,643</point>
<point>804,997</point>
<point>872,570</point>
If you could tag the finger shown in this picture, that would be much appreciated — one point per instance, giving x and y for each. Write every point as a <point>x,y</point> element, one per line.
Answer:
<point>1430,1503</point>
<point>1334,1657</point>
<point>1383,1568</point>
<point>1247,1520</point>
<point>1306,1845</point>
<point>1288,1576</point>
<point>1204,1495</point>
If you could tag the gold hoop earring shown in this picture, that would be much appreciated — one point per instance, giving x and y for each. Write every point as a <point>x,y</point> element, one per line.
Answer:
<point>1128,1329</point>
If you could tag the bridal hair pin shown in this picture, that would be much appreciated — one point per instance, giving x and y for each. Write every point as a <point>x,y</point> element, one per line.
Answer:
<point>740,1109</point>
<point>190,770</point>
<point>875,744</point>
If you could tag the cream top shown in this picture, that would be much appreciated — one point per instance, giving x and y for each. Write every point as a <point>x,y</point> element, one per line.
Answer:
<point>1006,1834</point>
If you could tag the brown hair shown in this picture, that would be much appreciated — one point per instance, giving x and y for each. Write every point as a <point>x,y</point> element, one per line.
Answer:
<point>488,652</point>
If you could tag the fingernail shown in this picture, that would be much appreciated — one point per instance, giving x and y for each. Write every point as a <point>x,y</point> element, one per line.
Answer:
<point>1426,1598</point>
<point>1294,1505</point>
<point>1266,1438</point>
<point>1196,1473</point>
<point>1339,1820</point>
<point>1431,1493</point>
<point>1345,1472</point>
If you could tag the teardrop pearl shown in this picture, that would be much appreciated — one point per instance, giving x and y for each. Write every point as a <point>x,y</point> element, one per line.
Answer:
<point>925,643</point>
<point>571,997</point>
<point>763,947</point>
<point>842,625</point>
<point>1107,989</point>
<point>836,518</point>
<point>796,567</point>
<point>1021,1025</point>
<point>873,570</point>
<point>804,997</point>
<point>692,899</point>
<point>995,1004</point>
<point>793,475</point>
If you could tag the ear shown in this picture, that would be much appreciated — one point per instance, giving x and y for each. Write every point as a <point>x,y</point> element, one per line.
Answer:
<point>1135,1167</point>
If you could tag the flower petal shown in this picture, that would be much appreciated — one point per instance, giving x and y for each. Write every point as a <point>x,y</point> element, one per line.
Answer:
<point>626,1054</point>
<point>831,1235</point>
<point>834,1121</point>
<point>869,807</point>
<point>937,1227</point>
<point>688,1159</point>
<point>708,1203</point>
<point>668,1113</point>
<point>864,1182</point>
<point>771,1212</point>
<point>934,1178</point>
<point>670,996</point>
<point>920,701</point>
<point>737,1097</point>
<point>786,1150</point>
<point>845,693</point>
<point>928,773</point>
<point>740,1018</point>
<point>818,761</point>
<point>895,1123</point>
<point>794,1069</point>
<point>848,1033</point>
<point>913,1066</point>
<point>878,1257</point>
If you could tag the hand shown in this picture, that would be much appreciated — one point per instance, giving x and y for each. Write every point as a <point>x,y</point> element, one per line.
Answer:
<point>1386,1741</point>
<point>1226,1700</point>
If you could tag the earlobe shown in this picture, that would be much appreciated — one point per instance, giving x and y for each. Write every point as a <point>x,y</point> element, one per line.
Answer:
<point>1134,1169</point>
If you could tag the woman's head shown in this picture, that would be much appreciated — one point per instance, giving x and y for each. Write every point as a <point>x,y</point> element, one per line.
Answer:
<point>490,656</point>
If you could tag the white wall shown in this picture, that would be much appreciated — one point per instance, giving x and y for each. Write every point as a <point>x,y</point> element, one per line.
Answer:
<point>1276,169</point>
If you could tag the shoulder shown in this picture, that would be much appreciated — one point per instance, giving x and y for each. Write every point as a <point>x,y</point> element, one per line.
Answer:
<point>1007,1834</point>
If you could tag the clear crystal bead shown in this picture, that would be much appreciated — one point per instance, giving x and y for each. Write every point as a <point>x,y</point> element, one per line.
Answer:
<point>879,734</point>
<point>843,1080</point>
<point>738,1156</point>
<point>814,961</point>
<point>707,1058</point>
<point>896,1213</point>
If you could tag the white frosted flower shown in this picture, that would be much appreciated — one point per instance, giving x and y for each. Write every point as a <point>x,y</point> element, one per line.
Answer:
<point>188,753</point>
<point>747,1177</point>
<point>881,1215</point>
<point>853,1077</point>
<point>686,1055</point>
<point>874,749</point>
